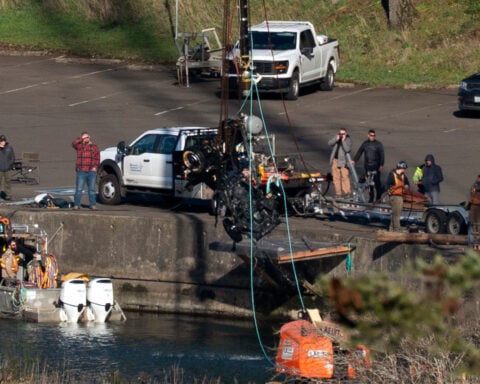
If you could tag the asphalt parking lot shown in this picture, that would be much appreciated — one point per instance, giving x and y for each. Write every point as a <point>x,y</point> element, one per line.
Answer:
<point>45,102</point>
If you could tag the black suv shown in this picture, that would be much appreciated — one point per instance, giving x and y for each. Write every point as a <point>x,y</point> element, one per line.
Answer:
<point>469,93</point>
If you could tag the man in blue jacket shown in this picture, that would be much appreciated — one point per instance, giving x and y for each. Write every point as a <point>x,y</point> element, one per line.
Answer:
<point>432,177</point>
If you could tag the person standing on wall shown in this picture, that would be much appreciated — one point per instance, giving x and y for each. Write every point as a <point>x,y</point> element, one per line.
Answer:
<point>88,160</point>
<point>432,177</point>
<point>397,183</point>
<point>374,161</point>
<point>7,158</point>
<point>342,144</point>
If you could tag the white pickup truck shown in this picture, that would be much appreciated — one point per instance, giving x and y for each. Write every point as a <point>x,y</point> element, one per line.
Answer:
<point>288,55</point>
<point>153,163</point>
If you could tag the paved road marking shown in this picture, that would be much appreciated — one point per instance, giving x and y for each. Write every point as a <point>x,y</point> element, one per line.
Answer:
<point>94,99</point>
<point>91,73</point>
<point>179,108</point>
<point>54,81</point>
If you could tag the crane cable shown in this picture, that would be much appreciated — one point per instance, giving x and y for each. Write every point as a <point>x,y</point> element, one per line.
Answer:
<point>253,86</point>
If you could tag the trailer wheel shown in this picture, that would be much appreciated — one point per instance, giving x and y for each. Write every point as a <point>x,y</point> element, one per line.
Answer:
<point>436,221</point>
<point>456,224</point>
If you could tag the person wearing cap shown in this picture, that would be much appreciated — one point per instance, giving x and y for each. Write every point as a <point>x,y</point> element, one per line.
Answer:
<point>474,202</point>
<point>88,160</point>
<point>341,144</point>
<point>397,183</point>
<point>7,158</point>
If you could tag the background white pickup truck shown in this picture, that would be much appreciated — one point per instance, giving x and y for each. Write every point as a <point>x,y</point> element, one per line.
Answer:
<point>289,55</point>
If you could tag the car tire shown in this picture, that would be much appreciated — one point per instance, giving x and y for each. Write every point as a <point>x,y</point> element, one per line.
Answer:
<point>294,87</point>
<point>328,81</point>
<point>109,190</point>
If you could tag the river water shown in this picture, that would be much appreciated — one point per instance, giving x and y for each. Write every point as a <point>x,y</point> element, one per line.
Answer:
<point>146,345</point>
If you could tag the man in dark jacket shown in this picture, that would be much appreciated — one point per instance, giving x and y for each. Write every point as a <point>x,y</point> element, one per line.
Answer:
<point>374,160</point>
<point>432,177</point>
<point>7,158</point>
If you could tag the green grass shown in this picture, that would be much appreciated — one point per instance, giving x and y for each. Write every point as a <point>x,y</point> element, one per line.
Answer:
<point>33,27</point>
<point>441,47</point>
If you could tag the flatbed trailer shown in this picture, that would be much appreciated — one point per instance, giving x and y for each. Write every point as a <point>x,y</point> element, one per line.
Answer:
<point>417,210</point>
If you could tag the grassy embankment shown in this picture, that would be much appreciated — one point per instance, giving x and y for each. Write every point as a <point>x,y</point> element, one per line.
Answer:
<point>440,48</point>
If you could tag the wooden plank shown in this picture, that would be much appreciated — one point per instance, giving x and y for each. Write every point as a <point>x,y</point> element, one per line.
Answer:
<point>405,237</point>
<point>314,254</point>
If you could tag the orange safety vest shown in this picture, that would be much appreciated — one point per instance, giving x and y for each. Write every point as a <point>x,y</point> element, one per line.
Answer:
<point>397,188</point>
<point>13,265</point>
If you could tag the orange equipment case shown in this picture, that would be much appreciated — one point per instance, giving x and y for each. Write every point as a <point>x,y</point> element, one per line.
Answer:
<point>304,351</point>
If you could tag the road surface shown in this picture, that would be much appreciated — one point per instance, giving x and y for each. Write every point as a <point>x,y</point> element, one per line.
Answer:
<point>45,102</point>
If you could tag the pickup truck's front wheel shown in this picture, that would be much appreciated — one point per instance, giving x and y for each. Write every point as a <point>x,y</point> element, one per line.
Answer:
<point>294,88</point>
<point>329,80</point>
<point>109,190</point>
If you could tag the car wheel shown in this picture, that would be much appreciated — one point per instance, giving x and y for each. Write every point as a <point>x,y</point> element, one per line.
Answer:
<point>109,190</point>
<point>456,224</point>
<point>329,80</point>
<point>436,221</point>
<point>294,88</point>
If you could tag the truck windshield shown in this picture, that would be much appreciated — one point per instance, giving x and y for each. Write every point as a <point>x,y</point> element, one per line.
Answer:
<point>277,41</point>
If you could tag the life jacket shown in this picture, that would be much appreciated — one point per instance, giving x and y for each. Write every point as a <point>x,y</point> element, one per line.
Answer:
<point>397,188</point>
<point>13,265</point>
<point>475,194</point>
<point>35,274</point>
<point>51,272</point>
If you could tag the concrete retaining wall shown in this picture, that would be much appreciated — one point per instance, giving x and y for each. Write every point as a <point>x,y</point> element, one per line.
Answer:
<point>160,261</point>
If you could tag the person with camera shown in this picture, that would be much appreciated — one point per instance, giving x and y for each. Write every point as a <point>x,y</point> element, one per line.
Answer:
<point>342,144</point>
<point>397,183</point>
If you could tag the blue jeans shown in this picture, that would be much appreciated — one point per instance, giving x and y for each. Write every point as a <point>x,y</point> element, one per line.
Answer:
<point>89,179</point>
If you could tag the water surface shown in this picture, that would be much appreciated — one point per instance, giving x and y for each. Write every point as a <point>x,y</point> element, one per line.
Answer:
<point>146,345</point>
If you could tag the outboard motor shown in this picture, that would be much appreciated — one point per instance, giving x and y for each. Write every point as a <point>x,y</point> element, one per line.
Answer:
<point>99,299</point>
<point>73,300</point>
